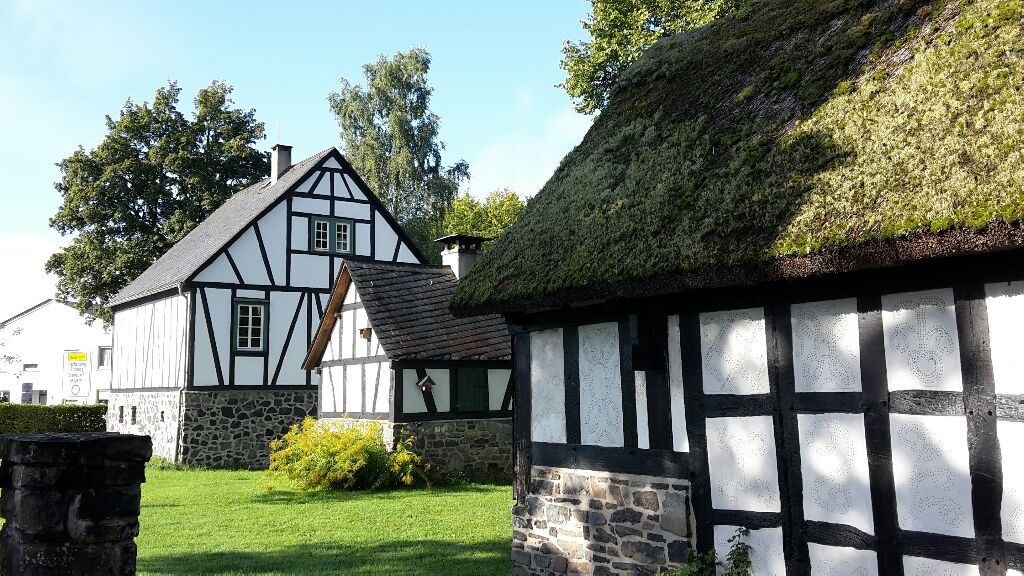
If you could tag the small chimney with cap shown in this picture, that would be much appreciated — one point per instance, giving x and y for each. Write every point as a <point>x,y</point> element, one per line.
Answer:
<point>461,252</point>
<point>280,161</point>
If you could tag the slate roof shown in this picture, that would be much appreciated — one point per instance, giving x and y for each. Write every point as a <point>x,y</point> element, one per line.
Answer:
<point>194,250</point>
<point>407,305</point>
<point>797,139</point>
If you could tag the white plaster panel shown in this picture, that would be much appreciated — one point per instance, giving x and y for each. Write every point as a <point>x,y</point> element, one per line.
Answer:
<point>307,184</point>
<point>837,561</point>
<point>826,347</point>
<point>331,163</point>
<point>915,566</point>
<point>363,246</point>
<point>547,386</point>
<point>352,295</point>
<point>921,349</point>
<point>680,441</point>
<point>361,321</point>
<point>332,384</point>
<point>741,459</point>
<point>834,466</point>
<point>284,304</point>
<point>347,319</point>
<point>247,256</point>
<point>497,382</point>
<point>274,230</point>
<point>412,396</point>
<point>300,233</point>
<point>218,271</point>
<point>353,388</point>
<point>248,370</point>
<point>219,301</point>
<point>323,187</point>
<point>203,363</point>
<point>383,388</point>
<point>734,354</point>
<point>930,468</point>
<point>1005,303</point>
<point>643,438</point>
<point>442,388</point>
<point>258,294</point>
<point>767,557</point>
<point>357,210</point>
<point>1011,439</point>
<point>311,271</point>
<point>406,255</point>
<point>1012,572</point>
<point>600,385</point>
<point>339,186</point>
<point>384,238</point>
<point>312,206</point>
<point>357,192</point>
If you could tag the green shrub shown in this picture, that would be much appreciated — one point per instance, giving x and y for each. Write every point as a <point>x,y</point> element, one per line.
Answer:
<point>319,457</point>
<point>737,561</point>
<point>26,418</point>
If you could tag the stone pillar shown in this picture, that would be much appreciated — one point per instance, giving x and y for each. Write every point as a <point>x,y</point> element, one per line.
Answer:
<point>70,503</point>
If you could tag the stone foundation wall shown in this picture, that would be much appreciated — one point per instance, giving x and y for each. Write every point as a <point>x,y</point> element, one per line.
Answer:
<point>600,523</point>
<point>479,449</point>
<point>156,415</point>
<point>233,428</point>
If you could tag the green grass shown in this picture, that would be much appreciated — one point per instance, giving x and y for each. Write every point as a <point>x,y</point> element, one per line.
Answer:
<point>221,522</point>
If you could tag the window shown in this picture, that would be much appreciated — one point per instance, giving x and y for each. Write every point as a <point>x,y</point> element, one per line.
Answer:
<point>30,367</point>
<point>120,414</point>
<point>331,235</point>
<point>5,396</point>
<point>250,325</point>
<point>134,415</point>
<point>472,389</point>
<point>103,358</point>
<point>41,397</point>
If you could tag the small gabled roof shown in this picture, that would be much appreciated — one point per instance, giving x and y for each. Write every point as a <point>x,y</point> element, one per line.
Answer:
<point>32,309</point>
<point>193,251</point>
<point>407,305</point>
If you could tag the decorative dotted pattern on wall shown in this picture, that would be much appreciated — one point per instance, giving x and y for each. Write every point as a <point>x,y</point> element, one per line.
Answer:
<point>734,355</point>
<point>766,551</point>
<point>932,475</point>
<point>1011,438</point>
<point>921,348</point>
<point>834,467</point>
<point>547,386</point>
<point>836,561</point>
<point>1005,303</point>
<point>742,465</point>
<point>915,566</point>
<point>600,388</point>
<point>826,350</point>
<point>680,440</point>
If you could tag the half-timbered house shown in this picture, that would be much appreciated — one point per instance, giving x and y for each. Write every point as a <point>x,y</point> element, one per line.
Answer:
<point>209,340</point>
<point>779,286</point>
<point>389,351</point>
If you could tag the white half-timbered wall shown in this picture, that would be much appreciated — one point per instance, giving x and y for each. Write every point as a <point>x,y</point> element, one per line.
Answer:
<point>150,347</point>
<point>272,260</point>
<point>785,389</point>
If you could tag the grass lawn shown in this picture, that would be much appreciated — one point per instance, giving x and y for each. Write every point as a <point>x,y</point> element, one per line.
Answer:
<point>217,522</point>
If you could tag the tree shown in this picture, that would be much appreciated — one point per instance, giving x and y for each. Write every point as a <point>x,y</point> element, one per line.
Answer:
<point>391,138</point>
<point>489,218</point>
<point>620,30</point>
<point>152,179</point>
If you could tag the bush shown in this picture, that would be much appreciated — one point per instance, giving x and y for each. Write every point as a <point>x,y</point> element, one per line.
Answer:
<point>737,561</point>
<point>319,457</point>
<point>24,418</point>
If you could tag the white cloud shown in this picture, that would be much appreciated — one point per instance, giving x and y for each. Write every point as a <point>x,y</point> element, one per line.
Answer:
<point>25,283</point>
<point>525,156</point>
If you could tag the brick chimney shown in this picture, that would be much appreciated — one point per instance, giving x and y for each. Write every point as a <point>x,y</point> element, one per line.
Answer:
<point>280,161</point>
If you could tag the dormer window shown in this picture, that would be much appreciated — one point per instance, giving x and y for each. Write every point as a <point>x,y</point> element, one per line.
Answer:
<point>331,236</point>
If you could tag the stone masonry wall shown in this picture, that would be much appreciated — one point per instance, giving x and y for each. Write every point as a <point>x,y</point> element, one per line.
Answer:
<point>156,416</point>
<point>600,523</point>
<point>233,428</point>
<point>478,449</point>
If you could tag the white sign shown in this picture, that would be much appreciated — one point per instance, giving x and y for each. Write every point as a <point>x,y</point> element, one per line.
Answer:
<point>76,382</point>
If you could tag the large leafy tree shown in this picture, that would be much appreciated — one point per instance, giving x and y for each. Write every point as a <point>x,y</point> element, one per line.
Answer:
<point>155,176</point>
<point>620,30</point>
<point>392,139</point>
<point>489,218</point>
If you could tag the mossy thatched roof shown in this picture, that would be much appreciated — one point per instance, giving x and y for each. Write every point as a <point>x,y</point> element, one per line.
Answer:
<point>793,140</point>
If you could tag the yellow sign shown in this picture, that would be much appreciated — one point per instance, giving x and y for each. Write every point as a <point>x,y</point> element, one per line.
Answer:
<point>78,356</point>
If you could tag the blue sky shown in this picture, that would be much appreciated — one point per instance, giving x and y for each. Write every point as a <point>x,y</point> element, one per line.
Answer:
<point>63,65</point>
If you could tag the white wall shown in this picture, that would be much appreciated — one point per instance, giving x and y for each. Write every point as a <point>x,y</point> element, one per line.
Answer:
<point>44,337</point>
<point>151,344</point>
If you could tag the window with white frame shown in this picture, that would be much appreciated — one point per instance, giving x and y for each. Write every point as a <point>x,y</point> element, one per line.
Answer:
<point>250,326</point>
<point>331,235</point>
<point>103,358</point>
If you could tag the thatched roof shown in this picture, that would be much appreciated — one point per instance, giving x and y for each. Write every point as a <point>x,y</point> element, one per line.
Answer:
<point>803,137</point>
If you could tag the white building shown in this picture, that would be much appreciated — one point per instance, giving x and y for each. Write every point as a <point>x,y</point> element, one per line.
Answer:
<point>50,355</point>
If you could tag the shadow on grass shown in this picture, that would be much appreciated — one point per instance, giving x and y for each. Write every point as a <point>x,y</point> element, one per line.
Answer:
<point>291,496</point>
<point>411,558</point>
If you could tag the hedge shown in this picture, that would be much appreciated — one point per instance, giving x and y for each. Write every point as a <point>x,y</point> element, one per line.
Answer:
<point>19,418</point>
